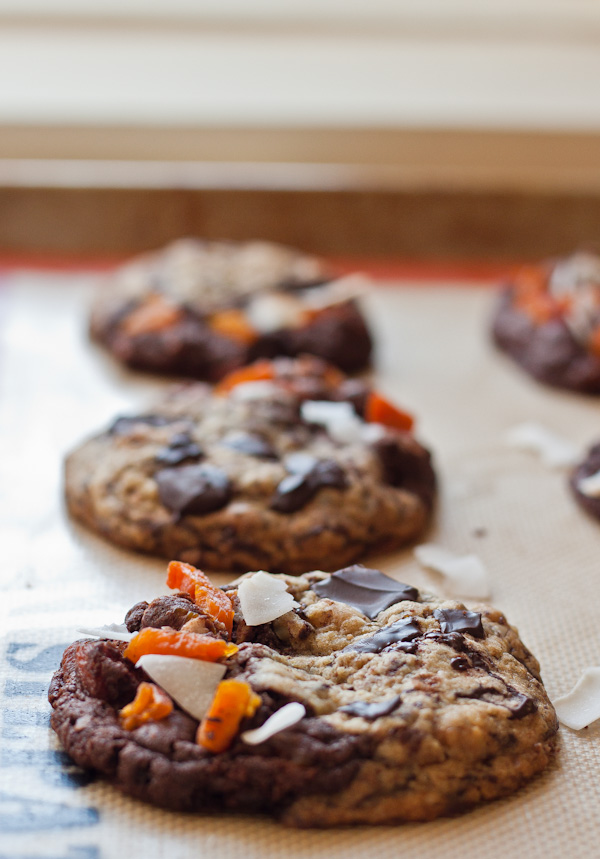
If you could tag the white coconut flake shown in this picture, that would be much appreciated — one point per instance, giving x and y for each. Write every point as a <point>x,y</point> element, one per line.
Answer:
<point>284,718</point>
<point>272,312</point>
<point>190,682</point>
<point>590,486</point>
<point>554,450</point>
<point>264,598</point>
<point>248,391</point>
<point>115,631</point>
<point>466,574</point>
<point>581,706</point>
<point>339,419</point>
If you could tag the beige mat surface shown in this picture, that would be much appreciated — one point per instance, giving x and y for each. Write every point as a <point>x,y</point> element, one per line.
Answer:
<point>503,504</point>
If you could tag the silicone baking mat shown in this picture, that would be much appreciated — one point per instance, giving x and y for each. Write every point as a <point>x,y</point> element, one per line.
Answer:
<point>434,357</point>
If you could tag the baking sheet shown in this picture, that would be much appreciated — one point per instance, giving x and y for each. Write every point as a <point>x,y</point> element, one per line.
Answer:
<point>542,552</point>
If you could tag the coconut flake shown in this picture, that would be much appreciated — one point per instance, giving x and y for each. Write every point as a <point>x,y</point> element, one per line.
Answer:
<point>114,631</point>
<point>281,719</point>
<point>339,419</point>
<point>590,486</point>
<point>466,574</point>
<point>272,312</point>
<point>264,598</point>
<point>190,682</point>
<point>554,451</point>
<point>581,706</point>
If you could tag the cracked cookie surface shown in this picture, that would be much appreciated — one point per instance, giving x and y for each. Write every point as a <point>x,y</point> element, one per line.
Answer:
<point>421,709</point>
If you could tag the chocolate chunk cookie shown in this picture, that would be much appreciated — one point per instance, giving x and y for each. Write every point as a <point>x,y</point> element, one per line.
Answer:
<point>201,309</point>
<point>585,482</point>
<point>548,320</point>
<point>348,698</point>
<point>287,466</point>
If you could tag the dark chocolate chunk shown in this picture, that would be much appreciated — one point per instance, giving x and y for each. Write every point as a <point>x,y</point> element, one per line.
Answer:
<point>292,493</point>
<point>180,447</point>
<point>523,706</point>
<point>328,473</point>
<point>372,711</point>
<point>401,631</point>
<point>250,444</point>
<point>460,663</point>
<point>450,639</point>
<point>407,466</point>
<point>194,489</point>
<point>456,620</point>
<point>367,590</point>
<point>124,425</point>
<point>298,488</point>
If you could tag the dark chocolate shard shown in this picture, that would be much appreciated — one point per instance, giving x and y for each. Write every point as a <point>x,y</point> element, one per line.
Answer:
<point>456,620</point>
<point>180,448</point>
<point>522,706</point>
<point>251,444</point>
<point>370,591</point>
<point>460,663</point>
<point>372,711</point>
<point>401,631</point>
<point>194,489</point>
<point>298,488</point>
<point>292,493</point>
<point>124,425</point>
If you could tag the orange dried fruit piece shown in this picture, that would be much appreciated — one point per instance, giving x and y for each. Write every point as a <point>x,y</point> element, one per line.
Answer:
<point>593,343</point>
<point>150,704</point>
<point>155,314</point>
<point>233,323</point>
<point>380,411</point>
<point>233,701</point>
<point>258,372</point>
<point>211,599</point>
<point>173,643</point>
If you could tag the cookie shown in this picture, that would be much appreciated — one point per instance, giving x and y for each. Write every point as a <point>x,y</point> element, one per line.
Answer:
<point>201,309</point>
<point>585,482</point>
<point>287,466</point>
<point>348,698</point>
<point>548,321</point>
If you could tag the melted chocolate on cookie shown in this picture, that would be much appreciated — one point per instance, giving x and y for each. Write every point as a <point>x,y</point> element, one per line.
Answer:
<point>194,489</point>
<point>367,590</point>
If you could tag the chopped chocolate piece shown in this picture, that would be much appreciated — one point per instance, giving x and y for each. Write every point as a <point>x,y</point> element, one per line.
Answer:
<point>524,706</point>
<point>194,489</point>
<point>372,711</point>
<point>298,488</point>
<point>251,444</point>
<point>407,466</point>
<point>402,630</point>
<point>292,493</point>
<point>450,639</point>
<point>456,620</point>
<point>367,590</point>
<point>460,663</point>
<point>180,447</point>
<point>327,472</point>
<point>124,425</point>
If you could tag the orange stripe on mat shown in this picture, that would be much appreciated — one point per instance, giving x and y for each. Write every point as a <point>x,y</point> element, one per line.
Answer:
<point>476,272</point>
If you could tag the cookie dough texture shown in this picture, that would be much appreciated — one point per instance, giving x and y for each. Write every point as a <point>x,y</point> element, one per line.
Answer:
<point>405,721</point>
<point>200,479</point>
<point>546,321</point>
<point>193,280</point>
